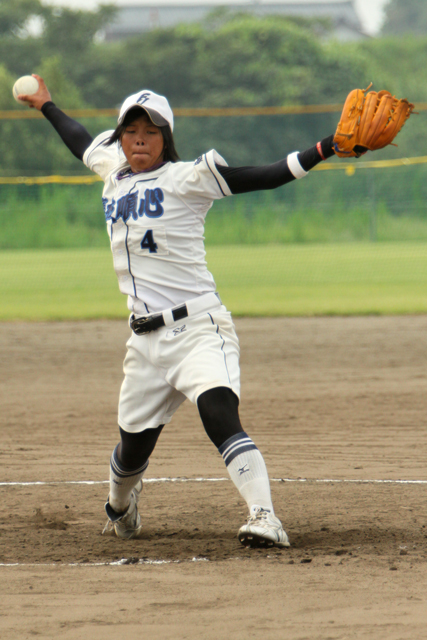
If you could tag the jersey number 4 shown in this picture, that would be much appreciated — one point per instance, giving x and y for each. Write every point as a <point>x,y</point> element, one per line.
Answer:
<point>147,242</point>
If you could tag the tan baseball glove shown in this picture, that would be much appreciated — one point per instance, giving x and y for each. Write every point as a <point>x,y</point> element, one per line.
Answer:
<point>369,121</point>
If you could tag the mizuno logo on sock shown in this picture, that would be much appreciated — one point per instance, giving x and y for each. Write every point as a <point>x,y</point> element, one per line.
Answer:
<point>243,470</point>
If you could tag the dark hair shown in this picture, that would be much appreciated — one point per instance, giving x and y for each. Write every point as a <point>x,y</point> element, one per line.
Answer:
<point>170,154</point>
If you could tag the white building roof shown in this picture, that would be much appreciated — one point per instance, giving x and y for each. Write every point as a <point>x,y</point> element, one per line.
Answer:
<point>132,19</point>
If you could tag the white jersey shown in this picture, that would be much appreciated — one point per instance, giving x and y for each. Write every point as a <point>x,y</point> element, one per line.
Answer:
<point>155,222</point>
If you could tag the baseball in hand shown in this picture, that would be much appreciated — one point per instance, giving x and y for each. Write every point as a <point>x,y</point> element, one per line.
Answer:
<point>27,85</point>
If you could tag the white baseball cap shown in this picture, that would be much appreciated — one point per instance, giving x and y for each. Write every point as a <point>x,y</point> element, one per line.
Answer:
<point>156,106</point>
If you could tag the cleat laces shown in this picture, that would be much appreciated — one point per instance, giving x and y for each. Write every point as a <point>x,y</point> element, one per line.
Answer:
<point>109,527</point>
<point>259,515</point>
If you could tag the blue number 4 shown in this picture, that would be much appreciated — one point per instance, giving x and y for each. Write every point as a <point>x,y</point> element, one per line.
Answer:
<point>147,242</point>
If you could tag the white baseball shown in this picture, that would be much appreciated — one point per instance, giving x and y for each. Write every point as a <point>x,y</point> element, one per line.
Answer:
<point>27,85</point>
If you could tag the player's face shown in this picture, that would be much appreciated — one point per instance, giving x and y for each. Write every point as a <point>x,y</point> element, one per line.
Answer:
<point>142,144</point>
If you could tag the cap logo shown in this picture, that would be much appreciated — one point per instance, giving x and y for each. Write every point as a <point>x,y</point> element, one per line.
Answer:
<point>143,98</point>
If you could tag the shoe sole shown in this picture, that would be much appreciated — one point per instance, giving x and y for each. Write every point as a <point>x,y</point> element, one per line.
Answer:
<point>253,541</point>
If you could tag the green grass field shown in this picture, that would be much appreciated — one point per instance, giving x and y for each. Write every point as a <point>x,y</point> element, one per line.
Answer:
<point>269,280</point>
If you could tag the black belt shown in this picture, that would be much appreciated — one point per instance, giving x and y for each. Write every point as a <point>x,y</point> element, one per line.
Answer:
<point>145,324</point>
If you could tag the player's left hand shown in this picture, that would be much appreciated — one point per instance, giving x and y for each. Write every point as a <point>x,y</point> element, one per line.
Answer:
<point>369,121</point>
<point>37,100</point>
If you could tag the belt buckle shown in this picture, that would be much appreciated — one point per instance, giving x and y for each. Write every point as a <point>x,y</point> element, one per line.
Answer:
<point>138,324</point>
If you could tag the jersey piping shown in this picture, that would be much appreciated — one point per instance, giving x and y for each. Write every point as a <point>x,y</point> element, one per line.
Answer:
<point>217,181</point>
<point>128,255</point>
<point>86,155</point>
<point>222,346</point>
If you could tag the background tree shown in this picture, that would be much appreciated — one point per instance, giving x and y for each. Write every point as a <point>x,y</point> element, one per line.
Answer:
<point>15,15</point>
<point>231,59</point>
<point>238,60</point>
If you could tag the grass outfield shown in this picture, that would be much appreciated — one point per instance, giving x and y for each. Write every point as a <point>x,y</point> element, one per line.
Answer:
<point>332,279</point>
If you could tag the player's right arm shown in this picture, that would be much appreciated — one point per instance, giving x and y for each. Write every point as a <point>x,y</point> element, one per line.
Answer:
<point>72,133</point>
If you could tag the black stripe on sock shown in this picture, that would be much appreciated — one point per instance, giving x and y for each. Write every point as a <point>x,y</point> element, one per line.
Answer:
<point>238,451</point>
<point>229,441</point>
<point>122,472</point>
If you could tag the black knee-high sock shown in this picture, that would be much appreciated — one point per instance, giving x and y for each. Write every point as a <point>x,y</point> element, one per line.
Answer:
<point>219,411</point>
<point>135,448</point>
<point>128,464</point>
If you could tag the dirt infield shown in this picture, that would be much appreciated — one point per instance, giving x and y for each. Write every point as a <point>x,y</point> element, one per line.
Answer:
<point>335,404</point>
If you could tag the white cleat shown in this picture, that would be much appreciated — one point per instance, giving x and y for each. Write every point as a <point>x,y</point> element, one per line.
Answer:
<point>126,525</point>
<point>263,529</point>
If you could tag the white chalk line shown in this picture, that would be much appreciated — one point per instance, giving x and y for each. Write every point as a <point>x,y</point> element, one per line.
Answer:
<point>132,561</point>
<point>154,480</point>
<point>116,563</point>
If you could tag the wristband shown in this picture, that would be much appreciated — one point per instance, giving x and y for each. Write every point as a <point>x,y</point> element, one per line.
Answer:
<point>319,150</point>
<point>295,167</point>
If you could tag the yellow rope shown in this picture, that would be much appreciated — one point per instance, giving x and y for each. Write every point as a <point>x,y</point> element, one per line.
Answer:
<point>258,111</point>
<point>348,167</point>
<point>51,180</point>
<point>30,114</point>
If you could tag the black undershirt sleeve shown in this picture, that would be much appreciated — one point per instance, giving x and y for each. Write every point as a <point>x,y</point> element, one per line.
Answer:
<point>245,179</point>
<point>73,134</point>
<point>239,179</point>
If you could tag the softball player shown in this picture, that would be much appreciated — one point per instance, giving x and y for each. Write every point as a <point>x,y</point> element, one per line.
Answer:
<point>183,342</point>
